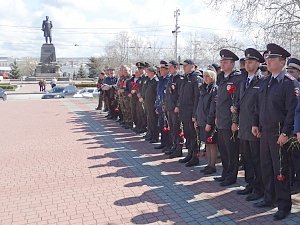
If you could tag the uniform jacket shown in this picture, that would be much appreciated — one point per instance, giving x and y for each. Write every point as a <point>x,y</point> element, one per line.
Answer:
<point>246,101</point>
<point>172,91</point>
<point>150,92</point>
<point>276,104</point>
<point>161,92</point>
<point>206,108</point>
<point>188,95</point>
<point>224,100</point>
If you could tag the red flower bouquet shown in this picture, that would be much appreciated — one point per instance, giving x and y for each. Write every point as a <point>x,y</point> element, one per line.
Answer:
<point>231,89</point>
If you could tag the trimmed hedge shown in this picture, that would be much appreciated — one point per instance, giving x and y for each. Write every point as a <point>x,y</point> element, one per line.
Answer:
<point>85,85</point>
<point>8,87</point>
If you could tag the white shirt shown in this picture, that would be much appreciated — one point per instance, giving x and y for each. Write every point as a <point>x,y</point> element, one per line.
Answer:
<point>250,77</point>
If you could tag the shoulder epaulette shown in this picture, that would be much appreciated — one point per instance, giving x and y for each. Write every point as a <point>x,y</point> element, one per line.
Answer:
<point>289,76</point>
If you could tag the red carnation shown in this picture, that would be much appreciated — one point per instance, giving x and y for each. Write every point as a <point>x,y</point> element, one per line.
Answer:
<point>280,178</point>
<point>231,89</point>
<point>166,129</point>
<point>181,134</point>
<point>134,85</point>
<point>210,139</point>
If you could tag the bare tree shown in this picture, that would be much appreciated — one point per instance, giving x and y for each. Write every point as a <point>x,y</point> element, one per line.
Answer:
<point>27,66</point>
<point>278,19</point>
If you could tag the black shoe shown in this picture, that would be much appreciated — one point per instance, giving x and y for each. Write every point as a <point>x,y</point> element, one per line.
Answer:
<point>253,197</point>
<point>147,135</point>
<point>187,158</point>
<point>245,191</point>
<point>210,170</point>
<point>107,116</point>
<point>128,126</point>
<point>176,153</point>
<point>154,141</point>
<point>281,214</point>
<point>140,131</point>
<point>263,204</point>
<point>135,129</point>
<point>165,149</point>
<point>148,139</point>
<point>193,162</point>
<point>122,122</point>
<point>119,120</point>
<point>159,147</point>
<point>97,108</point>
<point>219,179</point>
<point>169,152</point>
<point>227,183</point>
<point>204,169</point>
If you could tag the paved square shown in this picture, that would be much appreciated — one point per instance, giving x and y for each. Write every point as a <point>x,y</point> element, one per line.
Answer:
<point>61,162</point>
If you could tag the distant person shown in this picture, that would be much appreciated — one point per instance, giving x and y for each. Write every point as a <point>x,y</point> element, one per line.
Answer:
<point>44,85</point>
<point>41,85</point>
<point>53,82</point>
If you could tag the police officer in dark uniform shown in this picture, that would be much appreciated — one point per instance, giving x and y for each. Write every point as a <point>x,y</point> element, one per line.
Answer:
<point>227,122</point>
<point>161,108</point>
<point>249,144</point>
<point>273,122</point>
<point>172,92</point>
<point>293,68</point>
<point>149,97</point>
<point>188,100</point>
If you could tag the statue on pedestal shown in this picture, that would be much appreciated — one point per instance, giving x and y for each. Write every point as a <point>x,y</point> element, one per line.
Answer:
<point>46,27</point>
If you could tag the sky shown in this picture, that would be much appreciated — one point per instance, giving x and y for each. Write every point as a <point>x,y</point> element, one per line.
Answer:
<point>84,28</point>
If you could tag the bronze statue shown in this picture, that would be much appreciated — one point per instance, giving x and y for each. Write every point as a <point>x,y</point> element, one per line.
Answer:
<point>46,27</point>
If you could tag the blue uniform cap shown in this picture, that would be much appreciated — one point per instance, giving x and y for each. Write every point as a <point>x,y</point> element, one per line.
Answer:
<point>228,55</point>
<point>276,51</point>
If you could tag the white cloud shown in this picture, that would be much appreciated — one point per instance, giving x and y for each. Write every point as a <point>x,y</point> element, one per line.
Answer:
<point>69,17</point>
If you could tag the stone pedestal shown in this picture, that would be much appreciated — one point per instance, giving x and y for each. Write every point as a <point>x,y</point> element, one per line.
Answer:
<point>48,67</point>
<point>48,53</point>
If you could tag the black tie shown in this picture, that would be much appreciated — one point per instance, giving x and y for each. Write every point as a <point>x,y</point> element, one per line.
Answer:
<point>272,81</point>
<point>248,82</point>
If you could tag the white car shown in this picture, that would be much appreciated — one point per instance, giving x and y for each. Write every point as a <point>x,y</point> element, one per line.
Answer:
<point>87,93</point>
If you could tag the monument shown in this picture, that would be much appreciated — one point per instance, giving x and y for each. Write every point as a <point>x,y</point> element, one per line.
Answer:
<point>48,67</point>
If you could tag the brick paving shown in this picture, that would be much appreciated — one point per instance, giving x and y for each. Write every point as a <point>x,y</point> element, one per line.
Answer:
<point>61,162</point>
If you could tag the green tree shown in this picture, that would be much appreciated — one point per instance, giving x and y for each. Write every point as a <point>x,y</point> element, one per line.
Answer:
<point>95,66</point>
<point>15,72</point>
<point>81,72</point>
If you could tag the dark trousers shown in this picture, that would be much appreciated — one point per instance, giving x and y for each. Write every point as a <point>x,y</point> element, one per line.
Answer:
<point>175,127</point>
<point>141,116</point>
<point>166,139</point>
<point>229,151</point>
<point>190,135</point>
<point>133,104</point>
<point>250,151</point>
<point>152,122</point>
<point>270,166</point>
<point>100,101</point>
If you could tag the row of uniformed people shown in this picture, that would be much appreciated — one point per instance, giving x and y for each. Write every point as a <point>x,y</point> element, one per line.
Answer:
<point>249,113</point>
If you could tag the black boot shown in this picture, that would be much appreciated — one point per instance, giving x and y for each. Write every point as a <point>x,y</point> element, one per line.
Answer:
<point>187,158</point>
<point>193,162</point>
<point>171,150</point>
<point>177,152</point>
